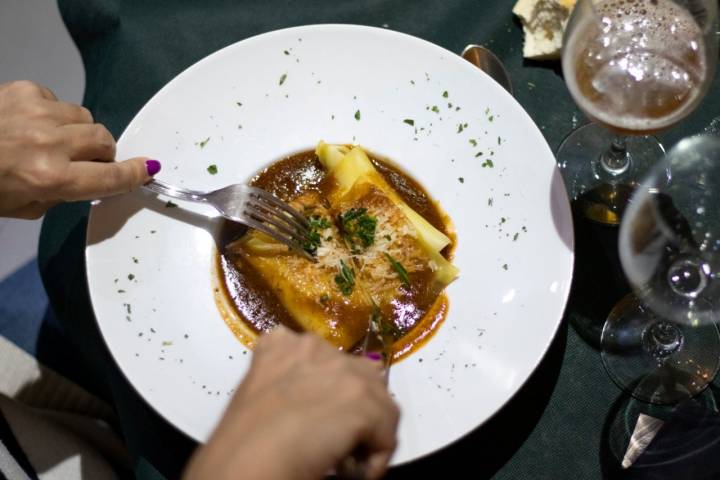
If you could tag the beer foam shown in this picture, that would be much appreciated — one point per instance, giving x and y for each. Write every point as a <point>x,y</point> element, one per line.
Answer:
<point>636,64</point>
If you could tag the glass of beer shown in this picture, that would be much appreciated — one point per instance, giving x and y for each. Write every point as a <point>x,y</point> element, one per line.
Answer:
<point>634,67</point>
<point>661,344</point>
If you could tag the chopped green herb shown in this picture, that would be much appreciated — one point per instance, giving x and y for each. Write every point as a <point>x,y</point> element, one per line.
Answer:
<point>135,260</point>
<point>324,298</point>
<point>399,269</point>
<point>202,143</point>
<point>283,77</point>
<point>445,94</point>
<point>128,307</point>
<point>412,81</point>
<point>316,224</point>
<point>121,291</point>
<point>409,121</point>
<point>487,164</point>
<point>357,115</point>
<point>515,237</point>
<point>503,219</point>
<point>286,52</point>
<point>461,127</point>
<point>473,142</point>
<point>345,279</point>
<point>212,169</point>
<point>328,238</point>
<point>490,202</point>
<point>435,109</point>
<point>450,105</point>
<point>152,232</point>
<point>239,104</point>
<point>131,277</point>
<point>116,280</point>
<point>358,227</point>
<point>461,180</point>
<point>388,238</point>
<point>166,343</point>
<point>170,204</point>
<point>479,154</point>
<point>490,118</point>
<point>505,266</point>
<point>499,140</point>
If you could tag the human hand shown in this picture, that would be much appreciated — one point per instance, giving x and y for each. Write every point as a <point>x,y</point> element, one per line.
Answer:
<point>302,408</point>
<point>51,151</point>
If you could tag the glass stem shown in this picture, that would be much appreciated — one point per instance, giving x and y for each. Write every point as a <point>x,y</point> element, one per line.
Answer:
<point>615,160</point>
<point>662,338</point>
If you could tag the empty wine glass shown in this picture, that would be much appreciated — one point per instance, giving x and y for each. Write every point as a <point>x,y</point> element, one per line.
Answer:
<point>661,343</point>
<point>634,67</point>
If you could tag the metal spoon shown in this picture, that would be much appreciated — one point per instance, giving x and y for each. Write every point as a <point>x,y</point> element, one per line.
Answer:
<point>486,61</point>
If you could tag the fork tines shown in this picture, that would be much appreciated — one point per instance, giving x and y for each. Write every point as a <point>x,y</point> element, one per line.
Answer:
<point>279,220</point>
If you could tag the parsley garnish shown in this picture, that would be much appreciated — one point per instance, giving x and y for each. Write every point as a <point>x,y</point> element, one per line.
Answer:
<point>357,115</point>
<point>316,224</point>
<point>283,77</point>
<point>131,277</point>
<point>461,180</point>
<point>212,169</point>
<point>435,109</point>
<point>202,143</point>
<point>170,204</point>
<point>399,269</point>
<point>445,94</point>
<point>345,280</point>
<point>324,298</point>
<point>487,164</point>
<point>358,227</point>
<point>409,121</point>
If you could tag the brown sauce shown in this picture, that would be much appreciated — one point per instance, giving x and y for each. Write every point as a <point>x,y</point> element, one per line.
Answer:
<point>248,305</point>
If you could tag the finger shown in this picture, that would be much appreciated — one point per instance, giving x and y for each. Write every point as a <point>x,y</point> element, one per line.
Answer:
<point>63,113</point>
<point>88,142</point>
<point>47,93</point>
<point>32,211</point>
<point>27,88</point>
<point>377,464</point>
<point>90,180</point>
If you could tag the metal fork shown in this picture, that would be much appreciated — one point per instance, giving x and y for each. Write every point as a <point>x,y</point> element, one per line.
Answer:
<point>250,206</point>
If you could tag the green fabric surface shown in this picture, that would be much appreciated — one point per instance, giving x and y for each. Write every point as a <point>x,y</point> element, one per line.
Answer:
<point>554,427</point>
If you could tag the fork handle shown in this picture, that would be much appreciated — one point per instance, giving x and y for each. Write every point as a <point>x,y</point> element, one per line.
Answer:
<point>163,188</point>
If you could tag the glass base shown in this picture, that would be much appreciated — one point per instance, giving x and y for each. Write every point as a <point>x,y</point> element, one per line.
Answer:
<point>654,360</point>
<point>622,423</point>
<point>601,190</point>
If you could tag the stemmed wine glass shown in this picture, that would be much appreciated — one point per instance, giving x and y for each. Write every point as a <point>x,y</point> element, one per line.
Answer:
<point>634,67</point>
<point>662,343</point>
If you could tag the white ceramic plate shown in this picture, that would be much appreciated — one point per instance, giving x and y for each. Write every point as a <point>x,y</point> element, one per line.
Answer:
<point>149,267</point>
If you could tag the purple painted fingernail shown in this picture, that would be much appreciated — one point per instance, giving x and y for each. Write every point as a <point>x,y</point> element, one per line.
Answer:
<point>153,167</point>
<point>375,356</point>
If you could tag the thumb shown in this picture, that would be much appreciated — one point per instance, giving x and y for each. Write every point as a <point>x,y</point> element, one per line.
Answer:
<point>91,180</point>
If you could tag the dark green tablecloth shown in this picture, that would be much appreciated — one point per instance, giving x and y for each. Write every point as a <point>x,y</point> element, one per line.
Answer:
<point>554,428</point>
